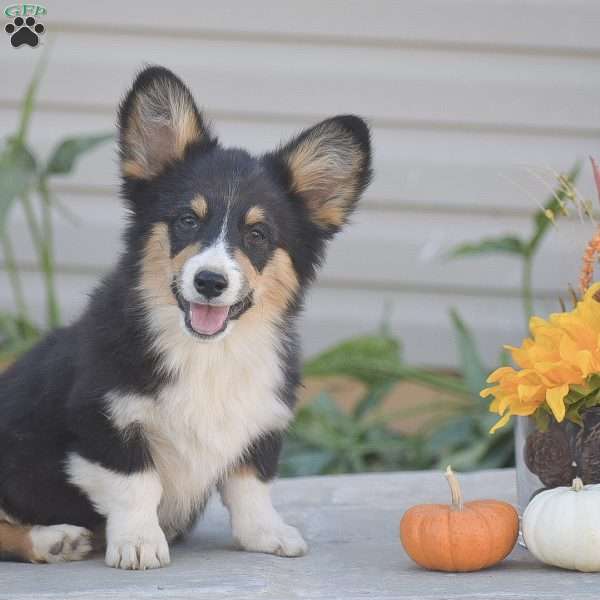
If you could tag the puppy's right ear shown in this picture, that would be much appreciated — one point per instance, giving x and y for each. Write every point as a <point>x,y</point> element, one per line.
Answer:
<point>158,121</point>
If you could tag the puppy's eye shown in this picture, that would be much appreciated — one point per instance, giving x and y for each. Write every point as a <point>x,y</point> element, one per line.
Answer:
<point>255,236</point>
<point>187,222</point>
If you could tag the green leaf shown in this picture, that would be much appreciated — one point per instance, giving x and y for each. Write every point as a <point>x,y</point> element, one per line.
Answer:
<point>371,359</point>
<point>444,383</point>
<point>454,433</point>
<point>578,391</point>
<point>321,423</point>
<point>376,360</point>
<point>28,102</point>
<point>553,204</point>
<point>65,153</point>
<point>17,335</point>
<point>466,459</point>
<point>17,173</point>
<point>593,382</point>
<point>577,401</point>
<point>9,327</point>
<point>592,400</point>
<point>372,399</point>
<point>308,462</point>
<point>574,411</point>
<point>473,371</point>
<point>506,245</point>
<point>504,359</point>
<point>500,451</point>
<point>573,397</point>
<point>542,419</point>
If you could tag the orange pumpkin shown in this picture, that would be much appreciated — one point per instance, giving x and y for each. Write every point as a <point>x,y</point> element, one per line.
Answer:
<point>461,536</point>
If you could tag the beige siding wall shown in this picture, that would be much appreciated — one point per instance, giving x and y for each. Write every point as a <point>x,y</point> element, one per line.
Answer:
<point>474,105</point>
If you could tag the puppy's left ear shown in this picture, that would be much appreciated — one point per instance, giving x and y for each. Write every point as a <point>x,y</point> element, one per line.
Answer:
<point>158,121</point>
<point>328,167</point>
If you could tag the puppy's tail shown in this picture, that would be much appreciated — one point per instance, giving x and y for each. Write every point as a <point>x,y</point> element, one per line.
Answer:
<point>15,543</point>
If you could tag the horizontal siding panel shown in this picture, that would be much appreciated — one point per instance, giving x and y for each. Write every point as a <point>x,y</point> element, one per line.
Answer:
<point>389,86</point>
<point>525,23</point>
<point>420,319</point>
<point>380,249</point>
<point>474,104</point>
<point>413,168</point>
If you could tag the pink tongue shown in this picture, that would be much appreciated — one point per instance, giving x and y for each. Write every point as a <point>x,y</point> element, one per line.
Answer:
<point>208,320</point>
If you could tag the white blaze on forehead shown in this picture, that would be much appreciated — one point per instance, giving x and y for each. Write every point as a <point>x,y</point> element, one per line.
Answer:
<point>215,258</point>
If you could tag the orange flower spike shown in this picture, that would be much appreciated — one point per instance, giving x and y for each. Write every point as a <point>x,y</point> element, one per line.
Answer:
<point>596,170</point>
<point>589,259</point>
<point>593,247</point>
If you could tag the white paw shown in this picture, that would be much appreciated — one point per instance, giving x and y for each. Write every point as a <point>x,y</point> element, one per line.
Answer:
<point>279,539</point>
<point>60,543</point>
<point>142,550</point>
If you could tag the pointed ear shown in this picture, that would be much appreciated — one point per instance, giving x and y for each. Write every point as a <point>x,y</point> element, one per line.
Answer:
<point>328,166</point>
<point>158,120</point>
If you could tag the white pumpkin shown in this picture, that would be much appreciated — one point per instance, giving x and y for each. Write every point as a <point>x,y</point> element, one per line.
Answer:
<point>561,527</point>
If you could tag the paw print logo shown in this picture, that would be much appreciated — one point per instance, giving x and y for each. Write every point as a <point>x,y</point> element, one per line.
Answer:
<point>24,31</point>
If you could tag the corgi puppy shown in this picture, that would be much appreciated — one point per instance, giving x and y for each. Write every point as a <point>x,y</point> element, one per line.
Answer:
<point>180,377</point>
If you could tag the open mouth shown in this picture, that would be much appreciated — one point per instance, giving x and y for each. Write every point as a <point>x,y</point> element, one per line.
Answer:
<point>209,320</point>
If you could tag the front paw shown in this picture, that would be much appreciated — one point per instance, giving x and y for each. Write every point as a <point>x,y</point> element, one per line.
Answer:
<point>60,543</point>
<point>138,550</point>
<point>279,539</point>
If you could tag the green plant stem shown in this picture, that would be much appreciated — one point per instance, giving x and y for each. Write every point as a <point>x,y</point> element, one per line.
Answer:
<point>28,102</point>
<point>47,255</point>
<point>14,276</point>
<point>407,413</point>
<point>440,382</point>
<point>526,289</point>
<point>42,241</point>
<point>32,223</point>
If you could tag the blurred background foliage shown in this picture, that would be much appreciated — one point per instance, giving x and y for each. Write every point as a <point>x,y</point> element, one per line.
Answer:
<point>24,179</point>
<point>340,428</point>
<point>454,424</point>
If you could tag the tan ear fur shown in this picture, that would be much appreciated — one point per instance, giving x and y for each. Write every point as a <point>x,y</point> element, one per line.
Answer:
<point>329,166</point>
<point>159,120</point>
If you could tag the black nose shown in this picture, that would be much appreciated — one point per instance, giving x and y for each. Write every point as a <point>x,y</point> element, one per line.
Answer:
<point>210,284</point>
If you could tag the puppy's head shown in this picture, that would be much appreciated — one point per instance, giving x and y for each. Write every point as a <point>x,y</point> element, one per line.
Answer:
<point>222,236</point>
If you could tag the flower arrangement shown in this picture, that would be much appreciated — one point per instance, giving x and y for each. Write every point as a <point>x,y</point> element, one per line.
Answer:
<point>558,375</point>
<point>559,368</point>
<point>556,382</point>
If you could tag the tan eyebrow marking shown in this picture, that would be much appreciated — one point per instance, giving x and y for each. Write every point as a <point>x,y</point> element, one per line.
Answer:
<point>199,206</point>
<point>255,215</point>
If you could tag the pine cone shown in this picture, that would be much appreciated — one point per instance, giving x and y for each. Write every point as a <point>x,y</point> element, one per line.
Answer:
<point>588,447</point>
<point>548,455</point>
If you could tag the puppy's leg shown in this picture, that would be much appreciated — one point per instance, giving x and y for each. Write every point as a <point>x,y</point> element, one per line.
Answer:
<point>40,544</point>
<point>255,523</point>
<point>134,538</point>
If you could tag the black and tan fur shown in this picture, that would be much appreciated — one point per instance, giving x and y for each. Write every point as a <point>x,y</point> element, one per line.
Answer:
<point>181,374</point>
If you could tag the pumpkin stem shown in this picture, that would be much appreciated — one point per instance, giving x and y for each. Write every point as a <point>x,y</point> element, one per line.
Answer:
<point>577,484</point>
<point>457,498</point>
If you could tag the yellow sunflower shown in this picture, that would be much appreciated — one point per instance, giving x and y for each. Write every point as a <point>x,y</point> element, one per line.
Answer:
<point>564,351</point>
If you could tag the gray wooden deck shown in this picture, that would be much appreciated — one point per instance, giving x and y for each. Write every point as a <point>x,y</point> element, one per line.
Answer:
<point>351,524</point>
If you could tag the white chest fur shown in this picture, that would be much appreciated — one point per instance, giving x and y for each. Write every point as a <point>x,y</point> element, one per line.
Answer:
<point>197,428</point>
